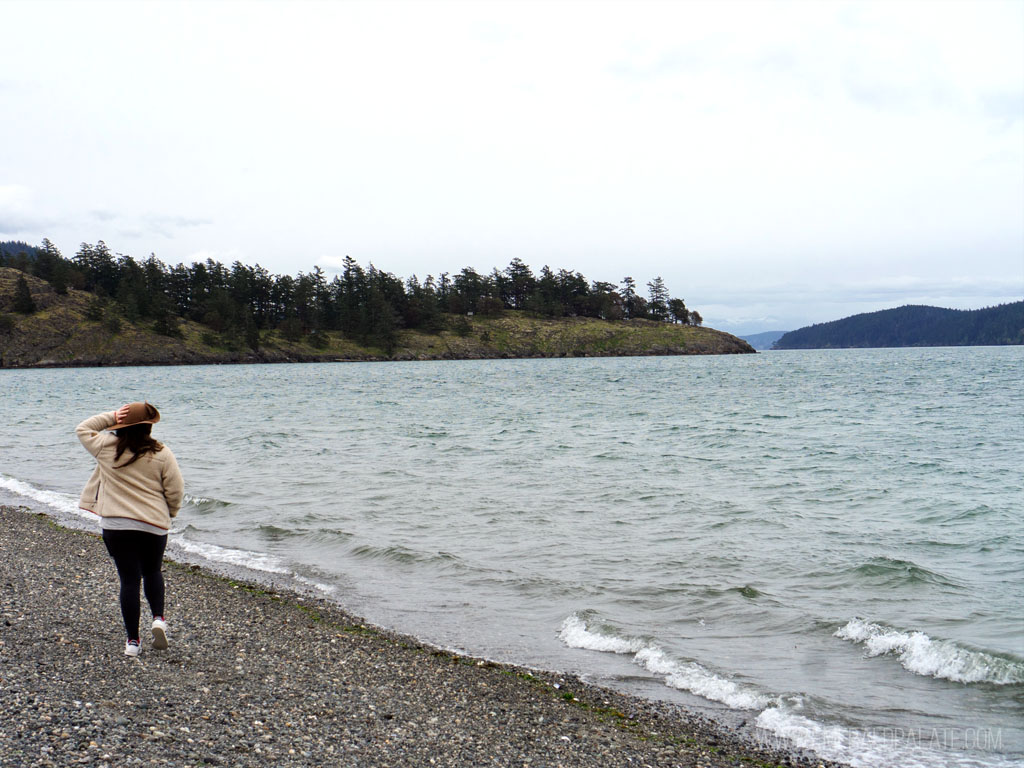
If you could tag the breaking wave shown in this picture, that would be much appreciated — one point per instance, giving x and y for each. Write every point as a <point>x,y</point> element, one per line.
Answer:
<point>924,656</point>
<point>782,717</point>
<point>63,502</point>
<point>682,675</point>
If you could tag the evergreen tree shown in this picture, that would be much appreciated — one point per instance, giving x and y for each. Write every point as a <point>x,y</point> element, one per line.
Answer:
<point>131,294</point>
<point>23,302</point>
<point>657,307</point>
<point>573,292</point>
<point>605,302</point>
<point>51,267</point>
<point>252,332</point>
<point>282,296</point>
<point>519,286</point>
<point>349,296</point>
<point>261,300</point>
<point>167,325</point>
<point>381,322</point>
<point>178,289</point>
<point>545,298</point>
<point>677,308</point>
<point>98,268</point>
<point>630,300</point>
<point>94,309</point>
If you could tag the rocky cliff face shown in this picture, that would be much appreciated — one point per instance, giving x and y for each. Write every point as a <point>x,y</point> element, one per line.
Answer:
<point>61,333</point>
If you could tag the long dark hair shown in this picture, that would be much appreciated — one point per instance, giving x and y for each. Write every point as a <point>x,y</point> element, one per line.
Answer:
<point>137,440</point>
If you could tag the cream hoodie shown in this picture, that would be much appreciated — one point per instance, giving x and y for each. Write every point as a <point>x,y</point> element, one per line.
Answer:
<point>150,489</point>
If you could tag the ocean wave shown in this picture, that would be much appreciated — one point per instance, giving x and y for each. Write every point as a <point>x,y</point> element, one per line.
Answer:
<point>275,533</point>
<point>945,515</point>
<point>326,589</point>
<point>67,503</point>
<point>682,675</point>
<point>204,505</point>
<point>256,561</point>
<point>747,591</point>
<point>920,654</point>
<point>309,536</point>
<point>575,634</point>
<point>63,502</point>
<point>889,571</point>
<point>400,554</point>
<point>780,717</point>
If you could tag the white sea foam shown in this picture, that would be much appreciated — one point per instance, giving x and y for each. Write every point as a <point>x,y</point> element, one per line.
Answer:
<point>922,655</point>
<point>575,634</point>
<point>781,718</point>
<point>883,747</point>
<point>63,502</point>
<point>326,589</point>
<point>694,678</point>
<point>256,561</point>
<point>682,675</point>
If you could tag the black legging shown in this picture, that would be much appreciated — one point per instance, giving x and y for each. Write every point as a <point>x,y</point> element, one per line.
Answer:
<point>137,555</point>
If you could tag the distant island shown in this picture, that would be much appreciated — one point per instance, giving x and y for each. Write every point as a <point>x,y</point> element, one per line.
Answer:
<point>914,326</point>
<point>763,340</point>
<point>96,309</point>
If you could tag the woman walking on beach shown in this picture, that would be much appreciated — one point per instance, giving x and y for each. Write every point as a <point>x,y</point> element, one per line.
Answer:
<point>136,489</point>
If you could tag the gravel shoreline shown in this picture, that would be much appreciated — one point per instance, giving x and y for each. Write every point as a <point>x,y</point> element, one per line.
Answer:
<point>259,677</point>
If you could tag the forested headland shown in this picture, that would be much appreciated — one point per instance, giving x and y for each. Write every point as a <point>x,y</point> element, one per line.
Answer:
<point>914,326</point>
<point>99,307</point>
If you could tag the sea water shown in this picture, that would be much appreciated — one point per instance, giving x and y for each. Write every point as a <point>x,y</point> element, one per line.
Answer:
<point>824,548</point>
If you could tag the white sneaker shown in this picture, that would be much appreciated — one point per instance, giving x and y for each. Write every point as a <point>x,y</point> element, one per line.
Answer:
<point>159,634</point>
<point>132,648</point>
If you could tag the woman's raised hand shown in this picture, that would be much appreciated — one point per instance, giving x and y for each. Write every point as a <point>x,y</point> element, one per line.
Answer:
<point>122,414</point>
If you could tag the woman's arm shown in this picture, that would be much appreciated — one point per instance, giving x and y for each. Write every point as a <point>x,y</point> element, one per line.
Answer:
<point>90,430</point>
<point>174,484</point>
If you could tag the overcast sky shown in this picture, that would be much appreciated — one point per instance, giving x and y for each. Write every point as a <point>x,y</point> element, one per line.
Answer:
<point>778,164</point>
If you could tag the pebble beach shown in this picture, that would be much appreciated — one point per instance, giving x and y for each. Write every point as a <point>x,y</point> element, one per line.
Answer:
<point>256,676</point>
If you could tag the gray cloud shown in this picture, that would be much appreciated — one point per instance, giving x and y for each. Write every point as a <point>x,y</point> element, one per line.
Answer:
<point>15,224</point>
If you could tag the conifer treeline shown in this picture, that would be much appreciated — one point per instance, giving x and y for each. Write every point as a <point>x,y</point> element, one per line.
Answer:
<point>369,304</point>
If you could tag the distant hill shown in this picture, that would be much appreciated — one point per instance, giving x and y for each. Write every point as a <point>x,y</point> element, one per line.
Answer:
<point>914,326</point>
<point>15,252</point>
<point>763,340</point>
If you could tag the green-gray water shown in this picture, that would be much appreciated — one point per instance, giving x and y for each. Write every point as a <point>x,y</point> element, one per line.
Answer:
<point>827,545</point>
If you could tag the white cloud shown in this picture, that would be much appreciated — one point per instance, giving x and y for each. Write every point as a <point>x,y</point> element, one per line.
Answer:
<point>728,147</point>
<point>18,211</point>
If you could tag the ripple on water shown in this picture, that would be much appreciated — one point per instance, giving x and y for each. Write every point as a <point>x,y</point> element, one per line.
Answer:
<point>885,571</point>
